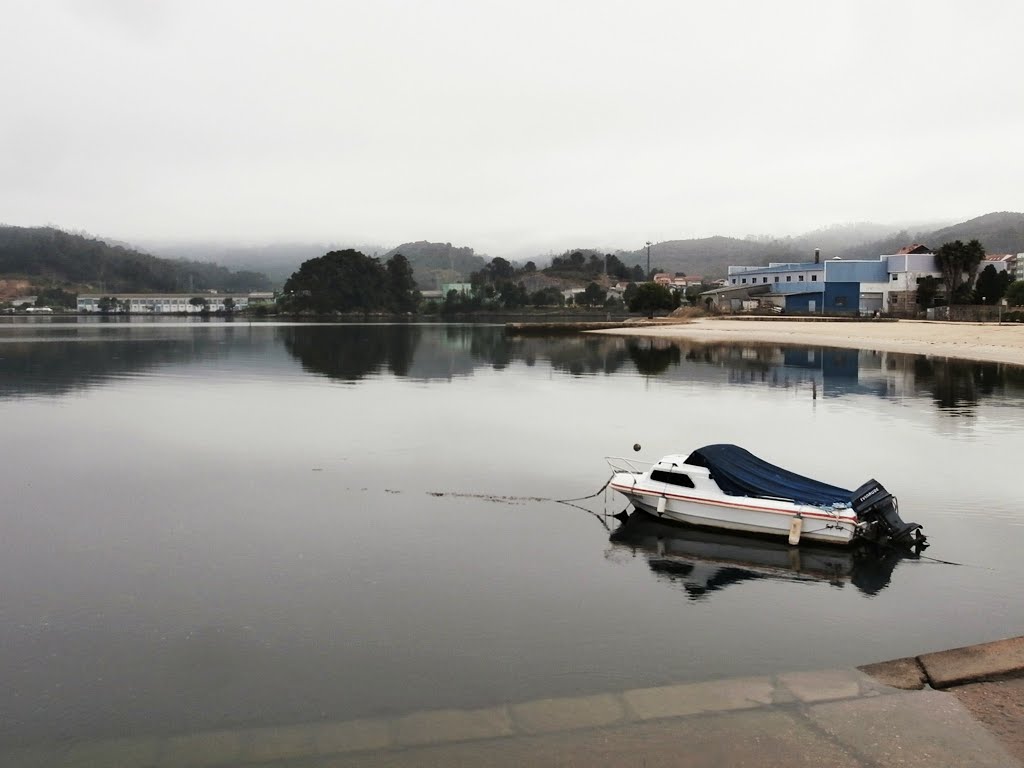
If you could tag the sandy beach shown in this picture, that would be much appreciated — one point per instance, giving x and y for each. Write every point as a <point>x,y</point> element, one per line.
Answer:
<point>987,342</point>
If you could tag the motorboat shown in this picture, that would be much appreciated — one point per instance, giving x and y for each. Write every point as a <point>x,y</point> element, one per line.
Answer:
<point>725,486</point>
<point>704,561</point>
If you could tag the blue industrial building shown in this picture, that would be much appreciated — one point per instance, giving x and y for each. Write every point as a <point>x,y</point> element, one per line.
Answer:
<point>836,286</point>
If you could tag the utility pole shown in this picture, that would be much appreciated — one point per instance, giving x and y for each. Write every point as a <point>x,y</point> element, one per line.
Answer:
<point>648,261</point>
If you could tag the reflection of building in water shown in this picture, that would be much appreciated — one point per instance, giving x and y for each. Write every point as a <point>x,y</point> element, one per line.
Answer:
<point>443,352</point>
<point>954,385</point>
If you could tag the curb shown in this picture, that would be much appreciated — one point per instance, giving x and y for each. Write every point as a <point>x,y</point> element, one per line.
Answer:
<point>984,662</point>
<point>311,742</point>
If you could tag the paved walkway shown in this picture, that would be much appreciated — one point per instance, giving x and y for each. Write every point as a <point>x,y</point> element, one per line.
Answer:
<point>830,718</point>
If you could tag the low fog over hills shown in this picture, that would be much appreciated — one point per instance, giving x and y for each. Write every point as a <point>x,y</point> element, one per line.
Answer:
<point>710,257</point>
<point>276,260</point>
<point>54,256</point>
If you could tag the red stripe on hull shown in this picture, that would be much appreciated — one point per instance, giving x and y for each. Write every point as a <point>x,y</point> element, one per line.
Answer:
<point>633,490</point>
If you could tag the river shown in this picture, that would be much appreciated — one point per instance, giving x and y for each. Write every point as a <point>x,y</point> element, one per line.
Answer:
<point>222,524</point>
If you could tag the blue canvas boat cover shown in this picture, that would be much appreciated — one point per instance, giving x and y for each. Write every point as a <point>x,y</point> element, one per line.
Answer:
<point>738,472</point>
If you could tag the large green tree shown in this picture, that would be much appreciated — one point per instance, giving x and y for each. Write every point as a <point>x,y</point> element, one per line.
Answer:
<point>349,281</point>
<point>513,295</point>
<point>927,290</point>
<point>401,284</point>
<point>1015,294</point>
<point>547,297</point>
<point>594,295</point>
<point>108,304</point>
<point>651,297</point>
<point>956,259</point>
<point>56,297</point>
<point>991,285</point>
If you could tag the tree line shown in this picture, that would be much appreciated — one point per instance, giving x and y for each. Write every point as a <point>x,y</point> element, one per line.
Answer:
<point>349,281</point>
<point>959,263</point>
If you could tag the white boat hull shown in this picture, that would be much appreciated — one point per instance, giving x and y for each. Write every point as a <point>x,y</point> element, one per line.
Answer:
<point>736,513</point>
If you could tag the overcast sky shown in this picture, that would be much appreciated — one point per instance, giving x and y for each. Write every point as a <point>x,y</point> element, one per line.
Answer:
<point>507,126</point>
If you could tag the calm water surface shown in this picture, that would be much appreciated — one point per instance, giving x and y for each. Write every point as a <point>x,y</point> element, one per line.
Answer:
<point>208,525</point>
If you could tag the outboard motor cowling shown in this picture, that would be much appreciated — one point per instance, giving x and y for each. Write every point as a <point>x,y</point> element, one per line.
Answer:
<point>877,508</point>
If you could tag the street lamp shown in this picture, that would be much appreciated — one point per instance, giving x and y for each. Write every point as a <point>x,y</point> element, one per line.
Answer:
<point>648,261</point>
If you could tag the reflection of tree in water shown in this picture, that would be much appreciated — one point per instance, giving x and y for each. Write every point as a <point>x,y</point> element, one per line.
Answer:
<point>651,358</point>
<point>575,354</point>
<point>587,355</point>
<point>351,352</point>
<point>56,367</point>
<point>491,345</point>
<point>959,384</point>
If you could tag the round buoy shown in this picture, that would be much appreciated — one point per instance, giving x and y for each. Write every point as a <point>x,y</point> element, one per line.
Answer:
<point>636,446</point>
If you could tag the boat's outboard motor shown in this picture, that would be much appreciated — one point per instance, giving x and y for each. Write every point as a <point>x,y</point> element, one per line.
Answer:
<point>876,507</point>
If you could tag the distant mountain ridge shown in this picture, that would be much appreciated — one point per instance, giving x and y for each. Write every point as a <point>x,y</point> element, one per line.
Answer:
<point>1001,232</point>
<point>276,260</point>
<point>50,256</point>
<point>432,263</point>
<point>710,257</point>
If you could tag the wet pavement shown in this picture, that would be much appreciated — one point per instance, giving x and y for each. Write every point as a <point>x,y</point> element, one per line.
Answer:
<point>824,718</point>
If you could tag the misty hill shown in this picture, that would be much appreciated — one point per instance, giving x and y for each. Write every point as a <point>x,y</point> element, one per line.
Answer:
<point>45,255</point>
<point>838,238</point>
<point>999,232</point>
<point>436,263</point>
<point>432,263</point>
<point>276,260</point>
<point>711,256</point>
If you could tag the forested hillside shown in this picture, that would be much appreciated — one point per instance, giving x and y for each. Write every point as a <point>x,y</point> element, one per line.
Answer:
<point>275,260</point>
<point>712,256</point>
<point>432,263</point>
<point>49,256</point>
<point>436,263</point>
<point>998,232</point>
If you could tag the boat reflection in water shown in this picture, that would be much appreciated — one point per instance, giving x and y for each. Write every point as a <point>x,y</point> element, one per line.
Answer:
<point>704,561</point>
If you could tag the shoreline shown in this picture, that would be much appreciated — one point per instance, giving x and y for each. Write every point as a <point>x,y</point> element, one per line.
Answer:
<point>979,342</point>
<point>800,717</point>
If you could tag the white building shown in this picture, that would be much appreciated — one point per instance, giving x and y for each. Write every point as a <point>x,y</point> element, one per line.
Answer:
<point>1000,263</point>
<point>167,303</point>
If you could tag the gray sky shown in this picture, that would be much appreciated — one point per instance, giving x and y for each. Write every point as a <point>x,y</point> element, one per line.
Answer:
<point>507,126</point>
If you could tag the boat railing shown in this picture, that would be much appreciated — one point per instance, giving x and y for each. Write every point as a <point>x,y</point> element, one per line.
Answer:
<point>622,464</point>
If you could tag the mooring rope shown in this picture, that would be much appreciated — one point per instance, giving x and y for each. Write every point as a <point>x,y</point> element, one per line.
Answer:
<point>584,498</point>
<point>950,562</point>
<point>571,503</point>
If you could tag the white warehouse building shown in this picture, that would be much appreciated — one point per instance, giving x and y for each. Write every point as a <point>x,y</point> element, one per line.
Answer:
<point>159,303</point>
